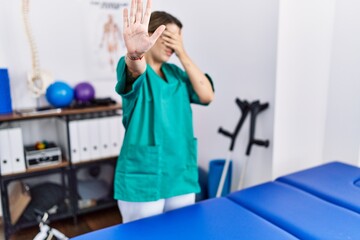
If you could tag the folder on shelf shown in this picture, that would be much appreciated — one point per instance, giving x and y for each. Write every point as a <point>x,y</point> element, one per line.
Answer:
<point>93,138</point>
<point>93,128</point>
<point>65,143</point>
<point>84,135</point>
<point>5,152</point>
<point>74,141</point>
<point>104,137</point>
<point>17,150</point>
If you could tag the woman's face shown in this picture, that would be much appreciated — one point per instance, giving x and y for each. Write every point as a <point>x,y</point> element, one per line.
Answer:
<point>159,52</point>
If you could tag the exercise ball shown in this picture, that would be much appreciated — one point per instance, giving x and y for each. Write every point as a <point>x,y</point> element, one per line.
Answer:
<point>59,94</point>
<point>84,92</point>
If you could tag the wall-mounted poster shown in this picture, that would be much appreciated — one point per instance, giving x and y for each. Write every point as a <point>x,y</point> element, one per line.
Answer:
<point>104,43</point>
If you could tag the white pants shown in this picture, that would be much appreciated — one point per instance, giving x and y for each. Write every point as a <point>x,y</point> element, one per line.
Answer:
<point>131,211</point>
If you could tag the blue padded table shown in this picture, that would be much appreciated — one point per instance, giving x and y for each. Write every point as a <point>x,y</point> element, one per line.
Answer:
<point>215,219</point>
<point>298,212</point>
<point>317,203</point>
<point>335,182</point>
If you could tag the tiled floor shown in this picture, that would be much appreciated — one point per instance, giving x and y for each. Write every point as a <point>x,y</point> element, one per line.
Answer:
<point>86,223</point>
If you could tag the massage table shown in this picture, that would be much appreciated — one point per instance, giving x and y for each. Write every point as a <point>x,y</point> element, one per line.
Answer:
<point>317,203</point>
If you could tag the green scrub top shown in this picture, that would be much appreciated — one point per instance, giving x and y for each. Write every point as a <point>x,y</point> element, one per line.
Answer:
<point>158,158</point>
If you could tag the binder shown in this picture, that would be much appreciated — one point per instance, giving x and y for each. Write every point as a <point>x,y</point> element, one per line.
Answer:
<point>84,140</point>
<point>104,137</point>
<point>17,150</point>
<point>74,141</point>
<point>5,154</point>
<point>93,129</point>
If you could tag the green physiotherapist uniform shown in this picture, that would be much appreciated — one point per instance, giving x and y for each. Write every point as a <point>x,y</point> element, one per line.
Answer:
<point>158,158</point>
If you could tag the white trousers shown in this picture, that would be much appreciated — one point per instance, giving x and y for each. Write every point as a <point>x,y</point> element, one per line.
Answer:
<point>131,211</point>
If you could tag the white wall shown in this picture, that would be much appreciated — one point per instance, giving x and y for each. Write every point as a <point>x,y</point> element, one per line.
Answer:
<point>303,71</point>
<point>317,90</point>
<point>359,157</point>
<point>342,138</point>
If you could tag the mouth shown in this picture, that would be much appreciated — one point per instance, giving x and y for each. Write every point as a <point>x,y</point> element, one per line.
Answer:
<point>169,52</point>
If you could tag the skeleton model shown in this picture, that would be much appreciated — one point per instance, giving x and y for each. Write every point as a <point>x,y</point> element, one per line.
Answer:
<point>38,80</point>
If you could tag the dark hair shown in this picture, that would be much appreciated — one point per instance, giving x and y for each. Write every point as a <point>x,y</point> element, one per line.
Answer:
<point>159,18</point>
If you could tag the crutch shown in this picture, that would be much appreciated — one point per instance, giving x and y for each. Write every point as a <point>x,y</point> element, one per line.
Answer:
<point>244,107</point>
<point>255,109</point>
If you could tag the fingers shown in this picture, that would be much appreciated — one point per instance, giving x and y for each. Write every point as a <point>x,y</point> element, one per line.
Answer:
<point>168,33</point>
<point>132,11</point>
<point>125,18</point>
<point>136,12</point>
<point>147,14</point>
<point>139,11</point>
<point>171,37</point>
<point>157,33</point>
<point>168,42</point>
<point>173,40</point>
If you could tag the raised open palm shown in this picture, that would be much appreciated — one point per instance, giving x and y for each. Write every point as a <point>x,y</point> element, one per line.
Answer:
<point>136,36</point>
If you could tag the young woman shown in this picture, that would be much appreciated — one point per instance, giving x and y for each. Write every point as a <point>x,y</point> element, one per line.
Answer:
<point>157,167</point>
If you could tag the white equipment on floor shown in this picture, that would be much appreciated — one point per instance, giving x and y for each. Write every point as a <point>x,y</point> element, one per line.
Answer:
<point>46,232</point>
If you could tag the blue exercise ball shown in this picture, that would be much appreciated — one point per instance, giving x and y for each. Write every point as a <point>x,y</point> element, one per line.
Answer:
<point>59,94</point>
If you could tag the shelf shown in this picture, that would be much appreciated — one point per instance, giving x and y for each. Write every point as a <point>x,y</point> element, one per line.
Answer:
<point>49,167</point>
<point>15,116</point>
<point>45,169</point>
<point>68,170</point>
<point>96,161</point>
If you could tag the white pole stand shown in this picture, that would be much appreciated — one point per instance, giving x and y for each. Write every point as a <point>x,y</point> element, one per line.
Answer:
<point>242,174</point>
<point>223,175</point>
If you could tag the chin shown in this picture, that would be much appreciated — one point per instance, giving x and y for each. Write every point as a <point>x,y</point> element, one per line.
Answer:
<point>166,58</point>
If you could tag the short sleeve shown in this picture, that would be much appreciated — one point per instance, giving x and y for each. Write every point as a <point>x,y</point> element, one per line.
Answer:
<point>194,98</point>
<point>181,74</point>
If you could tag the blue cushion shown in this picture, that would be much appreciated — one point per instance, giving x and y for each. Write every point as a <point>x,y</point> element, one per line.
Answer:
<point>335,182</point>
<point>298,212</point>
<point>212,219</point>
